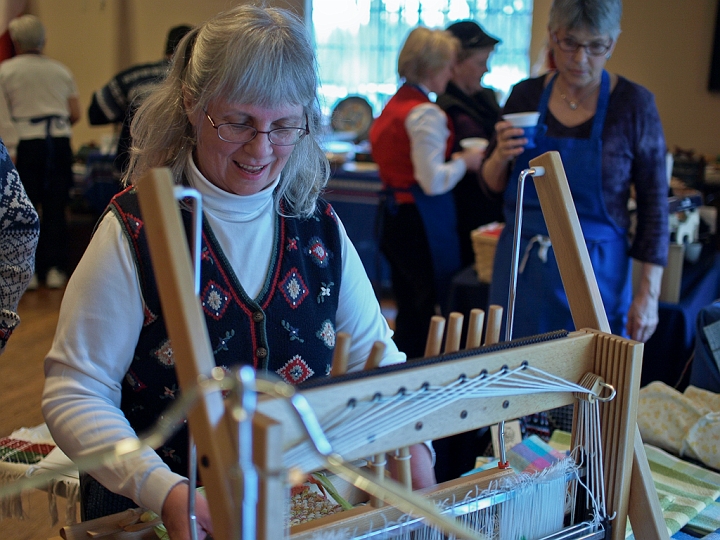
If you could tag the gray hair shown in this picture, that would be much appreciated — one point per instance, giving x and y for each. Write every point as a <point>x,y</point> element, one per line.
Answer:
<point>425,52</point>
<point>27,33</point>
<point>597,16</point>
<point>246,55</point>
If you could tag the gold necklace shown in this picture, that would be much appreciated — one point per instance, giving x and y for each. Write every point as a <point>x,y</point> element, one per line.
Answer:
<point>575,103</point>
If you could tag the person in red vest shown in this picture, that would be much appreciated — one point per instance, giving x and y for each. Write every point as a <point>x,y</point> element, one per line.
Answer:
<point>411,143</point>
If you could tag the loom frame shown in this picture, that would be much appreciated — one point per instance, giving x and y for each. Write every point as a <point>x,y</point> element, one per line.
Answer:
<point>629,486</point>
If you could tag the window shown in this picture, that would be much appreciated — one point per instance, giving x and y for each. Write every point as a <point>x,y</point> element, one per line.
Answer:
<point>358,42</point>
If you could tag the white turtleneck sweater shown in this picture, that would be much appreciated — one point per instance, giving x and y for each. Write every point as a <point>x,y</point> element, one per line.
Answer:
<point>102,314</point>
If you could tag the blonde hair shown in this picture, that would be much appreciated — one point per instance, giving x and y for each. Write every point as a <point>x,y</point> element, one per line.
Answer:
<point>246,55</point>
<point>425,53</point>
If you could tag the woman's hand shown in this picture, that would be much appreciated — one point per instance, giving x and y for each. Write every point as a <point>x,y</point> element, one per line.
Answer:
<point>510,144</point>
<point>473,158</point>
<point>510,141</point>
<point>175,514</point>
<point>642,318</point>
<point>421,467</point>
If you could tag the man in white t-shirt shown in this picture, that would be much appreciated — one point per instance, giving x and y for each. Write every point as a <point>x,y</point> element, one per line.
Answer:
<point>38,106</point>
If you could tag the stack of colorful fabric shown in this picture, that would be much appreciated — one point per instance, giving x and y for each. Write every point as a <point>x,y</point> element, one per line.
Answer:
<point>533,455</point>
<point>688,493</point>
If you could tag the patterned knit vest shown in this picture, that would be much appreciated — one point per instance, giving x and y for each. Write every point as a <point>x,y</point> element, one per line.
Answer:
<point>289,329</point>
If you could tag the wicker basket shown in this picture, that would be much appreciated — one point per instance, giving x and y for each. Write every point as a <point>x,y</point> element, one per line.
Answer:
<point>484,240</point>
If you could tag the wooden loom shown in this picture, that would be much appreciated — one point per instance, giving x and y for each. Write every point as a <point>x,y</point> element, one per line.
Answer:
<point>629,486</point>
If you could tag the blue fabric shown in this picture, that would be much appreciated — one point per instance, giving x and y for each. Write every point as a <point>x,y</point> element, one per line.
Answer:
<point>540,302</point>
<point>438,216</point>
<point>705,373</point>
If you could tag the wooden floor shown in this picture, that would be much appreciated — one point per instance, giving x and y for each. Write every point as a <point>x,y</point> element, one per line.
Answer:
<point>21,384</point>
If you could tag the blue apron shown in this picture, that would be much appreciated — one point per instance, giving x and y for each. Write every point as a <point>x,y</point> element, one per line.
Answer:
<point>540,303</point>
<point>440,221</point>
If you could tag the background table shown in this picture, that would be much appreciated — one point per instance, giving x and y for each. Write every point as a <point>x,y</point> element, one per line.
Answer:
<point>669,349</point>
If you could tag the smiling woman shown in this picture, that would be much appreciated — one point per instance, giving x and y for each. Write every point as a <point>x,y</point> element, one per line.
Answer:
<point>232,156</point>
<point>236,119</point>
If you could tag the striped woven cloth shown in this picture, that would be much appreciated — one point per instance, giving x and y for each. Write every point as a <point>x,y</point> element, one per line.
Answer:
<point>687,493</point>
<point>533,455</point>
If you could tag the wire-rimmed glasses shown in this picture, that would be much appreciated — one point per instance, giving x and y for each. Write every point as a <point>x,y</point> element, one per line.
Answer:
<point>242,133</point>
<point>593,48</point>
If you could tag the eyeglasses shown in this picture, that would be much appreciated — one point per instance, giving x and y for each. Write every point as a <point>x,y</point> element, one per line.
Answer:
<point>240,133</point>
<point>594,48</point>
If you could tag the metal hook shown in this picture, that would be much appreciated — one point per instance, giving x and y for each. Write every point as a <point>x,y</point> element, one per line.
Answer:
<point>612,392</point>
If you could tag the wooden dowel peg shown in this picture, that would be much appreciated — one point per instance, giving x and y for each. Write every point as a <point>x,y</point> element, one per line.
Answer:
<point>340,355</point>
<point>435,335</point>
<point>376,355</point>
<point>494,322</point>
<point>454,332</point>
<point>475,328</point>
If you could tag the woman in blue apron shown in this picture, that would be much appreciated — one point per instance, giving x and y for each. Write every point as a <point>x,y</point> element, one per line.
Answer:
<point>609,136</point>
<point>411,142</point>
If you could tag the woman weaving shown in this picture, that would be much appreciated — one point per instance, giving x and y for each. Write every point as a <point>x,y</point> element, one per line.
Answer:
<point>608,133</point>
<point>235,119</point>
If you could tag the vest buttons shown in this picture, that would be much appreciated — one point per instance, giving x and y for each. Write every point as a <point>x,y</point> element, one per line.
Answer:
<point>258,316</point>
<point>261,352</point>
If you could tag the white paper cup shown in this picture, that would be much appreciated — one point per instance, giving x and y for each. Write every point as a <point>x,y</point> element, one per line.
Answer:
<point>523,119</point>
<point>474,142</point>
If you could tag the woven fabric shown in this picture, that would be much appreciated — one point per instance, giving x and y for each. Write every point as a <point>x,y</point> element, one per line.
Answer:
<point>686,424</point>
<point>20,451</point>
<point>533,455</point>
<point>685,490</point>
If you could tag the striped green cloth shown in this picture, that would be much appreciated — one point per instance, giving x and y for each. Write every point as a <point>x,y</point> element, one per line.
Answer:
<point>687,492</point>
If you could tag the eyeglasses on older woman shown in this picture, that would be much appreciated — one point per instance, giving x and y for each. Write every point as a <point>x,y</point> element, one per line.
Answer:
<point>593,48</point>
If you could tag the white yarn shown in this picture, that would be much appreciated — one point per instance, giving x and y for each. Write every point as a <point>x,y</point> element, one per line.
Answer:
<point>535,504</point>
<point>365,421</point>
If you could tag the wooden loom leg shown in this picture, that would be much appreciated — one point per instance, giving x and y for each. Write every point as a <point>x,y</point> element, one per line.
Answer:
<point>211,427</point>
<point>588,312</point>
<point>267,456</point>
